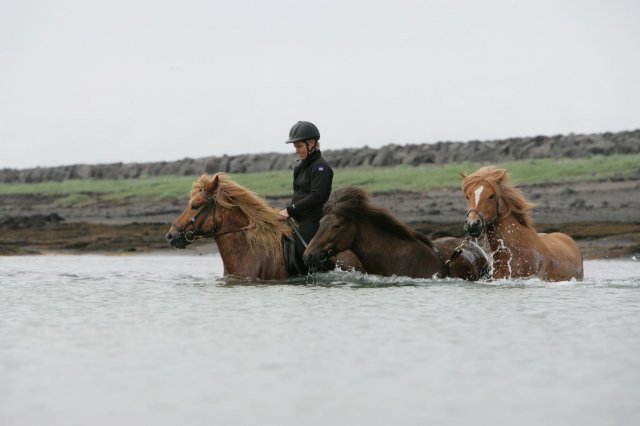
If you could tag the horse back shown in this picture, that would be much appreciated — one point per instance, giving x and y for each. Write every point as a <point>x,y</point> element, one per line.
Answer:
<point>561,245</point>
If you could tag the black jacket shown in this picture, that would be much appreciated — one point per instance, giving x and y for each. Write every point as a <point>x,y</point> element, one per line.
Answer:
<point>312,179</point>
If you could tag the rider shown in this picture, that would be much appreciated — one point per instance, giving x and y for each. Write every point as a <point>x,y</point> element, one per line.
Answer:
<point>312,179</point>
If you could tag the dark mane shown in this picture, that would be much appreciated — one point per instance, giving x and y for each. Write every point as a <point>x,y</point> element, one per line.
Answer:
<point>355,204</point>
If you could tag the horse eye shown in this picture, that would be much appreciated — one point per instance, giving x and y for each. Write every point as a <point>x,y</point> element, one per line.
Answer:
<point>194,207</point>
<point>467,197</point>
<point>492,196</point>
<point>336,226</point>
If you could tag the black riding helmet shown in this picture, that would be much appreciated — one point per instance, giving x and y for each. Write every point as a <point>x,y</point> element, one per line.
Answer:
<point>302,131</point>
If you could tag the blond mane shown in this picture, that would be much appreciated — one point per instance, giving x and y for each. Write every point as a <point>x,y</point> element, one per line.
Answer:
<point>265,230</point>
<point>512,198</point>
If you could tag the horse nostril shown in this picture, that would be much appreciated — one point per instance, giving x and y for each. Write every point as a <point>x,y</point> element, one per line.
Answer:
<point>306,259</point>
<point>470,224</point>
<point>473,228</point>
<point>169,237</point>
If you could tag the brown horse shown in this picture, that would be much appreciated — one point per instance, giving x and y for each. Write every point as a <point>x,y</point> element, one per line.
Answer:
<point>248,232</point>
<point>500,210</point>
<point>385,246</point>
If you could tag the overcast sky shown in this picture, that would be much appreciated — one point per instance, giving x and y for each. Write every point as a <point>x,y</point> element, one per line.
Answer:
<point>147,80</point>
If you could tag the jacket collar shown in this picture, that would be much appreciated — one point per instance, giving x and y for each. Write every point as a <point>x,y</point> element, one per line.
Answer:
<point>313,156</point>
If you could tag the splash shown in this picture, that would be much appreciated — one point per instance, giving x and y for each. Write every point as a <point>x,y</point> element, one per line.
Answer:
<point>502,247</point>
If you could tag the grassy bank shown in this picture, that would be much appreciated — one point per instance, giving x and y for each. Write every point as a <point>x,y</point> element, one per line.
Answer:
<point>376,180</point>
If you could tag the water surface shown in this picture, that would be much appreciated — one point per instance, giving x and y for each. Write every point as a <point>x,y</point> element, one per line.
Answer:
<point>162,339</point>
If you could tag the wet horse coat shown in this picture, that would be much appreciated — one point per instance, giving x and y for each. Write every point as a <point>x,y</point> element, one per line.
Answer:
<point>498,209</point>
<point>386,246</point>
<point>248,232</point>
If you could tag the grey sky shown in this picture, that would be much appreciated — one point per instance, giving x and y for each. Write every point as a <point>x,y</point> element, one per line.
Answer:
<point>106,81</point>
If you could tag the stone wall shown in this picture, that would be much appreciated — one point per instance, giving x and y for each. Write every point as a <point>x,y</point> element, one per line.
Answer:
<point>560,146</point>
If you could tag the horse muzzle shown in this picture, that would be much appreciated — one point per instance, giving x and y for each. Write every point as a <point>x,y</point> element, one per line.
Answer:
<point>311,259</point>
<point>177,240</point>
<point>316,259</point>
<point>319,261</point>
<point>473,228</point>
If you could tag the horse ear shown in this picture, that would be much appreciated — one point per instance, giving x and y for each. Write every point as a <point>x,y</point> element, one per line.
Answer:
<point>463,175</point>
<point>502,174</point>
<point>213,185</point>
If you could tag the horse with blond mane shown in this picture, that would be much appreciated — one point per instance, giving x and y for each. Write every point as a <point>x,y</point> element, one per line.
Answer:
<point>249,234</point>
<point>498,209</point>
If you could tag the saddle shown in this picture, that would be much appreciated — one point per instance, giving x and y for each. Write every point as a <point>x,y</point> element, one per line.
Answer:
<point>292,259</point>
<point>293,254</point>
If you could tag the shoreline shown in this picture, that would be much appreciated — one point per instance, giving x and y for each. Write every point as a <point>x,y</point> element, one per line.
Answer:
<point>602,216</point>
<point>596,240</point>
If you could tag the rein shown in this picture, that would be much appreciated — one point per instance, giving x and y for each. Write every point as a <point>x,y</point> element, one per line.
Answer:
<point>454,255</point>
<point>294,226</point>
<point>486,224</point>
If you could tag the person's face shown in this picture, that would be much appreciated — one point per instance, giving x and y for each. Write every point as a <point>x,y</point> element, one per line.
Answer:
<point>302,150</point>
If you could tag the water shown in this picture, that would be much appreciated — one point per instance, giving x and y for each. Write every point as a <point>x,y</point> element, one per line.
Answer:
<point>162,339</point>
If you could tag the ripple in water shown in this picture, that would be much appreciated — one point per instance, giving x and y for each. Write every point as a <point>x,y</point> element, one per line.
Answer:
<point>166,339</point>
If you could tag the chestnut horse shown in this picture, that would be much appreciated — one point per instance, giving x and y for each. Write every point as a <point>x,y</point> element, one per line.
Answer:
<point>248,232</point>
<point>498,209</point>
<point>385,246</point>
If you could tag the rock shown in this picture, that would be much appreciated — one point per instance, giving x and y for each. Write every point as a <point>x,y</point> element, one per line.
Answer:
<point>557,146</point>
<point>34,221</point>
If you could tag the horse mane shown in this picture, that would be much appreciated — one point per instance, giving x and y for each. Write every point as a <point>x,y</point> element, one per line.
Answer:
<point>355,204</point>
<point>512,197</point>
<point>265,230</point>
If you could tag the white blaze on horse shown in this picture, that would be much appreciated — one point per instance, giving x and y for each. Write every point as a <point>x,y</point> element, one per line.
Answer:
<point>497,208</point>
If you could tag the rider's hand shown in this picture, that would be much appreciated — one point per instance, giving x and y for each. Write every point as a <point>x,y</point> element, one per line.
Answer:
<point>284,214</point>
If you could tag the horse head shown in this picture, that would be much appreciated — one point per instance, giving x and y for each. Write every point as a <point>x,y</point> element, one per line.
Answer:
<point>198,219</point>
<point>483,200</point>
<point>490,198</point>
<point>335,234</point>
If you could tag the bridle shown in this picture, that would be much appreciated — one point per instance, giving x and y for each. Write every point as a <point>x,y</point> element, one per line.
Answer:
<point>190,236</point>
<point>487,224</point>
<point>331,251</point>
<point>326,255</point>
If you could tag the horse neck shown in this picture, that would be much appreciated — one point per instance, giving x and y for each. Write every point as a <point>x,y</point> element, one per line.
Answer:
<point>507,231</point>
<point>380,251</point>
<point>231,248</point>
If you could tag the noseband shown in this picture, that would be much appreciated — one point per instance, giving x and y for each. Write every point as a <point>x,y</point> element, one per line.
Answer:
<point>327,254</point>
<point>190,236</point>
<point>486,223</point>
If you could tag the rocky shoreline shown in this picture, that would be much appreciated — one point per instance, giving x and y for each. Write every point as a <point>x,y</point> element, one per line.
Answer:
<point>496,151</point>
<point>602,216</point>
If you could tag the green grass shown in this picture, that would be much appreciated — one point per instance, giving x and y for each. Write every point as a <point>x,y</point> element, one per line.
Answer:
<point>376,180</point>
